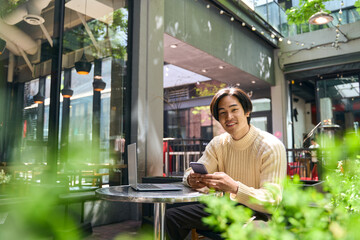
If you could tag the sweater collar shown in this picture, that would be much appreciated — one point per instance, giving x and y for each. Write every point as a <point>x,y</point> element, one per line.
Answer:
<point>246,141</point>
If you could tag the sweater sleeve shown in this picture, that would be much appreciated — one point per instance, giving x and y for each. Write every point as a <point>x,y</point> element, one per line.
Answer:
<point>209,159</point>
<point>273,171</point>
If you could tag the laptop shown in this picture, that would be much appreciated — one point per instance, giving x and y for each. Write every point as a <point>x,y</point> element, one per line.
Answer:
<point>132,170</point>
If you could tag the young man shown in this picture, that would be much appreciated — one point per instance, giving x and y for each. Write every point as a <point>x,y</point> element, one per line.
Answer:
<point>240,161</point>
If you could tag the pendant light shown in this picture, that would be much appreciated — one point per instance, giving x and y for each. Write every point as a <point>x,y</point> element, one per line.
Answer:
<point>83,67</point>
<point>320,18</point>
<point>2,45</point>
<point>67,92</point>
<point>98,84</point>
<point>39,98</point>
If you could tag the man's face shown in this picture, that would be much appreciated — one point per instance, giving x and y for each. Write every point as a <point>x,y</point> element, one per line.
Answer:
<point>232,117</point>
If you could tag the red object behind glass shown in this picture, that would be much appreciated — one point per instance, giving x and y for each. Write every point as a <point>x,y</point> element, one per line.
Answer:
<point>165,148</point>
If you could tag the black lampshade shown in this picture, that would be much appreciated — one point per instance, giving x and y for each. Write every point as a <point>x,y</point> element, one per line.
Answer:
<point>39,98</point>
<point>67,93</point>
<point>2,45</point>
<point>83,67</point>
<point>99,84</point>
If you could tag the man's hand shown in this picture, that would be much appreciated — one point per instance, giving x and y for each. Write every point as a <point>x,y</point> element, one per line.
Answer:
<point>194,180</point>
<point>219,181</point>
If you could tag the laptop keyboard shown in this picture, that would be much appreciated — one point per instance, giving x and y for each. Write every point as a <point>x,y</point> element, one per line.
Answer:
<point>147,186</point>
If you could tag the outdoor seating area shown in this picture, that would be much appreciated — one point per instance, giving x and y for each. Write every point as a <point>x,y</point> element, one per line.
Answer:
<point>72,176</point>
<point>98,97</point>
<point>300,163</point>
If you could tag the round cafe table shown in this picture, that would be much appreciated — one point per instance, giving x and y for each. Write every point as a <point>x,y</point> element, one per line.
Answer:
<point>159,198</point>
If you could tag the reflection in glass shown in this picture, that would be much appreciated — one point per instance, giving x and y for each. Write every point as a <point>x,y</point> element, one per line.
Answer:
<point>95,31</point>
<point>340,101</point>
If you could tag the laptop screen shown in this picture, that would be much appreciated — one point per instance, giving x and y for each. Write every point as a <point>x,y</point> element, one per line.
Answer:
<point>132,170</point>
<point>132,165</point>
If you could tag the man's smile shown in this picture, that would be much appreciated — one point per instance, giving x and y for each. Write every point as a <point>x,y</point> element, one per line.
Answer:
<point>230,124</point>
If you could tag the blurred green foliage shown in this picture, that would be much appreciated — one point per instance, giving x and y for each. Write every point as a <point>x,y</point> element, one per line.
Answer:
<point>4,178</point>
<point>144,233</point>
<point>208,89</point>
<point>357,5</point>
<point>205,90</point>
<point>306,8</point>
<point>302,13</point>
<point>9,5</point>
<point>33,207</point>
<point>327,211</point>
<point>34,213</point>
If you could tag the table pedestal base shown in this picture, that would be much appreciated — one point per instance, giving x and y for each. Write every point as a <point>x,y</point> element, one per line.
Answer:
<point>159,221</point>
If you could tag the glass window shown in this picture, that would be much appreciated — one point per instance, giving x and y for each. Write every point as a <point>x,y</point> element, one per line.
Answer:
<point>339,101</point>
<point>262,104</point>
<point>91,122</point>
<point>260,122</point>
<point>176,123</point>
<point>96,137</point>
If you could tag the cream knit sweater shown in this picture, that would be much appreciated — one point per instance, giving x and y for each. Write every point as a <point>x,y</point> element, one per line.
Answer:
<point>256,160</point>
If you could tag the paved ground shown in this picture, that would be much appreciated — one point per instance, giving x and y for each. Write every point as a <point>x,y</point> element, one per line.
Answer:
<point>127,230</point>
<point>115,231</point>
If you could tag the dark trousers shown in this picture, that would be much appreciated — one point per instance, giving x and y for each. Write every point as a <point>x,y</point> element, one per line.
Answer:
<point>180,220</point>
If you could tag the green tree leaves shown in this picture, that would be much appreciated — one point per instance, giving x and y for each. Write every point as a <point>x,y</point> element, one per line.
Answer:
<point>302,13</point>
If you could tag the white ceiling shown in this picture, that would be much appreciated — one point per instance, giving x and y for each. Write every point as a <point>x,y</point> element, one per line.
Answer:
<point>176,76</point>
<point>195,60</point>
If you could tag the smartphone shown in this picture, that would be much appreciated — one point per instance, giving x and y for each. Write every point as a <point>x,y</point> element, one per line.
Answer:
<point>198,167</point>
